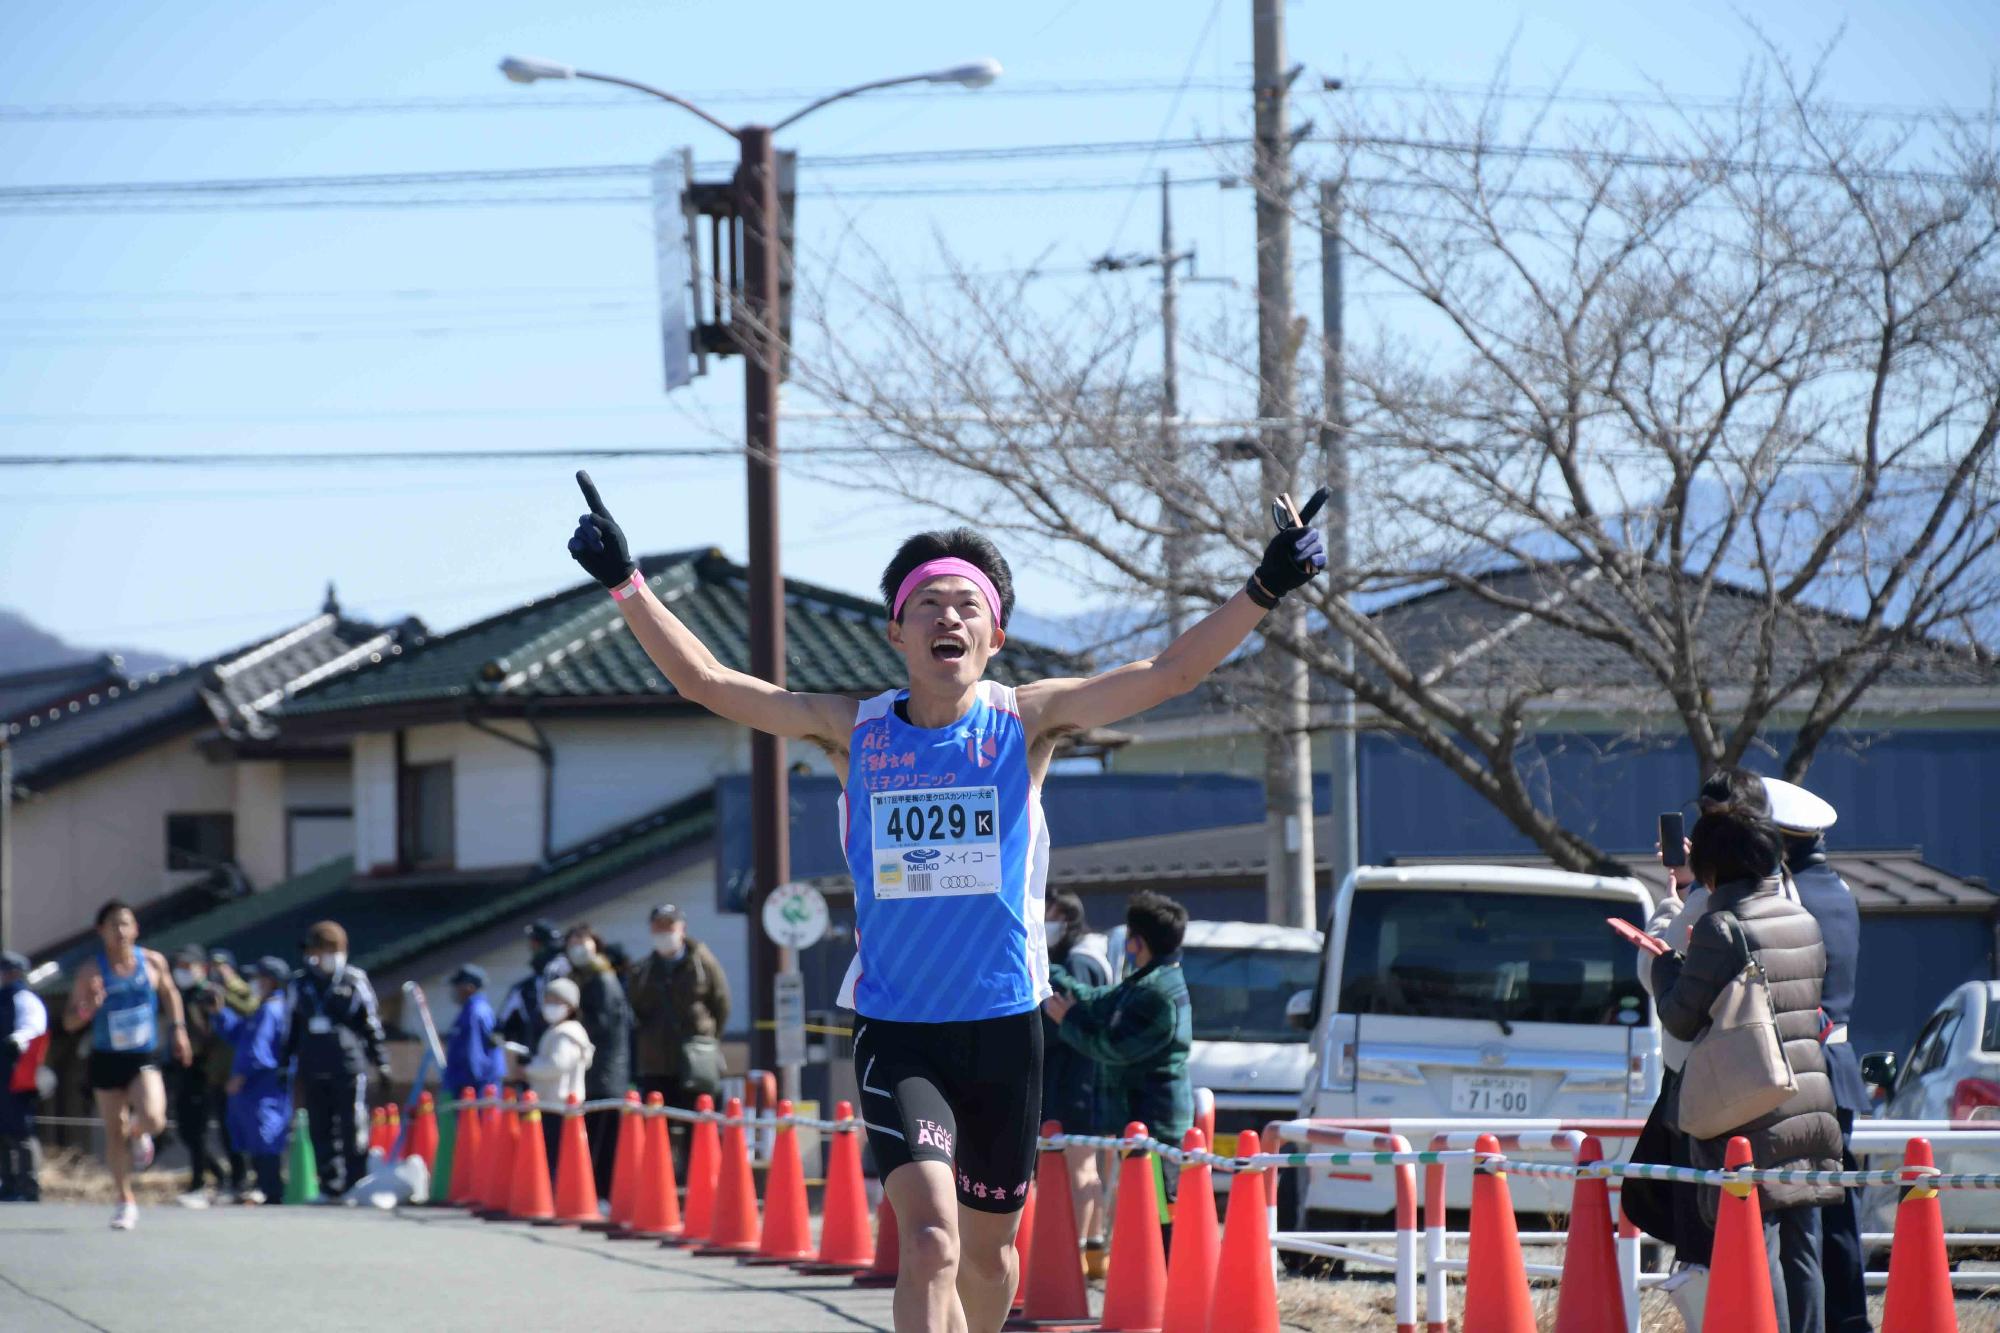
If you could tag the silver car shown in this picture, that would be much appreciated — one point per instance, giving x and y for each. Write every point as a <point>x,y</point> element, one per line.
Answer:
<point>1953,1073</point>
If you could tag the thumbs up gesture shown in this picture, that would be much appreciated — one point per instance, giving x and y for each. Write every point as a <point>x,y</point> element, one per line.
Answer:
<point>599,545</point>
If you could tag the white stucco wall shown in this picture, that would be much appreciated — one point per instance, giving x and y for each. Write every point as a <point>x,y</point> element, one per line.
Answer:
<point>373,797</point>
<point>104,835</point>
<point>609,772</point>
<point>260,820</point>
<point>318,784</point>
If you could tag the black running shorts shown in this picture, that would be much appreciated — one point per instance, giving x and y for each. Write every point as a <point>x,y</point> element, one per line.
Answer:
<point>965,1094</point>
<point>113,1071</point>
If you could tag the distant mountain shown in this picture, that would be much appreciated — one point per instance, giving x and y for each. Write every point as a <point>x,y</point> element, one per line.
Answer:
<point>26,647</point>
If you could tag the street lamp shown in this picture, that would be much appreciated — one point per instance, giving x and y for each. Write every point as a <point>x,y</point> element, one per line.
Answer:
<point>757,205</point>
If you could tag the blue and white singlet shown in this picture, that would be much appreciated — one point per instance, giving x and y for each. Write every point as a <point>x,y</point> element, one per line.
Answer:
<point>945,839</point>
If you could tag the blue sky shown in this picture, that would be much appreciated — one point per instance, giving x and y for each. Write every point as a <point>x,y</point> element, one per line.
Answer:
<point>533,326</point>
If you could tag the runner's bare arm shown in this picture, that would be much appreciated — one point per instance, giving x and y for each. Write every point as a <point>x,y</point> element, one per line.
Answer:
<point>824,719</point>
<point>84,997</point>
<point>600,547</point>
<point>1077,703</point>
<point>170,1004</point>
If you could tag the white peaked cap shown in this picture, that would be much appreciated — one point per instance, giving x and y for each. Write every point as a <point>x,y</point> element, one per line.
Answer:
<point>1796,810</point>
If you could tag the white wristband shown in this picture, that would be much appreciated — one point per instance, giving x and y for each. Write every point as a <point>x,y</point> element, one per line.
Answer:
<point>629,587</point>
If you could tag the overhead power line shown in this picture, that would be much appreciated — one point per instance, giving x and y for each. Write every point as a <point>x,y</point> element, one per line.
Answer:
<point>353,106</point>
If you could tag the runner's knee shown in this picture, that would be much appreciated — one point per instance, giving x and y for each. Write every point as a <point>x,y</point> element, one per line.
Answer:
<point>987,1261</point>
<point>929,1249</point>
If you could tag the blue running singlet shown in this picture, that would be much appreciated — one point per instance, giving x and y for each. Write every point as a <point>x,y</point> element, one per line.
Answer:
<point>945,839</point>
<point>128,1021</point>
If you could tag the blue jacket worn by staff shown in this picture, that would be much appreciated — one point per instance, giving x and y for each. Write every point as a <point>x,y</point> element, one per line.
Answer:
<point>260,1108</point>
<point>471,1057</point>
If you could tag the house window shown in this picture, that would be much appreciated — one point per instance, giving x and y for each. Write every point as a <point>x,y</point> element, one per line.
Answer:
<point>200,842</point>
<point>426,823</point>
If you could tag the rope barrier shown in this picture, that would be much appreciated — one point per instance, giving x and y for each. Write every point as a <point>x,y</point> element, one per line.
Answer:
<point>1928,1176</point>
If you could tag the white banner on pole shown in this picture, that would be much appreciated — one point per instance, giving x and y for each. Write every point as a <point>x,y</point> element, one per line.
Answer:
<point>670,245</point>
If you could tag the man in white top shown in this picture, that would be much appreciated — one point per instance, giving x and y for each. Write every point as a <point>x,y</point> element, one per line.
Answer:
<point>26,1022</point>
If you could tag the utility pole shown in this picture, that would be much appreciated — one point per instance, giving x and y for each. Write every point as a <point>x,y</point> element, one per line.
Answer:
<point>1289,896</point>
<point>770,786</point>
<point>1344,849</point>
<point>1173,516</point>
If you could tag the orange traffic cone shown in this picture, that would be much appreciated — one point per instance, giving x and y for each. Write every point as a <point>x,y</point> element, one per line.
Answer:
<point>1135,1291</point>
<point>883,1272</point>
<point>1197,1241</point>
<point>1739,1274</point>
<point>500,1159</point>
<point>844,1243</point>
<point>468,1155</point>
<point>625,1165</point>
<point>378,1119</point>
<point>734,1230</point>
<point>1245,1299</point>
<point>1024,1246</point>
<point>1053,1297</point>
<point>392,1129</point>
<point>1591,1298</point>
<point>1920,1296</point>
<point>1496,1278</point>
<point>423,1140</point>
<point>787,1218</point>
<point>529,1200</point>
<point>656,1205</point>
<point>576,1188</point>
<point>704,1171</point>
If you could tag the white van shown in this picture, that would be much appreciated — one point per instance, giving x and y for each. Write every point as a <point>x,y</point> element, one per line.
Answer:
<point>1472,992</point>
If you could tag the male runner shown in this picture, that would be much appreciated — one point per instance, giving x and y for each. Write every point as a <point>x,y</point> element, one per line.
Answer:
<point>120,994</point>
<point>943,828</point>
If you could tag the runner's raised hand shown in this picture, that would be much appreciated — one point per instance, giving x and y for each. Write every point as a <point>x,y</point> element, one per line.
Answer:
<point>1293,556</point>
<point>598,544</point>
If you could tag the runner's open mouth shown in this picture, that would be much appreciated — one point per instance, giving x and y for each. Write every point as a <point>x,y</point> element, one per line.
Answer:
<point>947,650</point>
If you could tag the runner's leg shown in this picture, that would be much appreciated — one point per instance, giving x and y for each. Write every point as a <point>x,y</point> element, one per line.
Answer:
<point>987,1272</point>
<point>146,1094</point>
<point>117,1147</point>
<point>996,1094</point>
<point>927,1254</point>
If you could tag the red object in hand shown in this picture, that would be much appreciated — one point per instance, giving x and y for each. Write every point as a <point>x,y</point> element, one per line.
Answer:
<point>1652,944</point>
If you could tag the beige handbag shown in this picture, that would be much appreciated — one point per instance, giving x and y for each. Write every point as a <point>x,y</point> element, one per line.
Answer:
<point>1736,1072</point>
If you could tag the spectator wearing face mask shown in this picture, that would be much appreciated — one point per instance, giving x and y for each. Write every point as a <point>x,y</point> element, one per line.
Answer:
<point>260,1109</point>
<point>1069,1077</point>
<point>608,1021</point>
<point>472,1054</point>
<point>680,1002</point>
<point>521,1010</point>
<point>200,1095</point>
<point>24,1036</point>
<point>560,1068</point>
<point>333,1038</point>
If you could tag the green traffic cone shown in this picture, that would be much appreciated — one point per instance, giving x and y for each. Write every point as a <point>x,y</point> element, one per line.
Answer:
<point>447,1116</point>
<point>302,1181</point>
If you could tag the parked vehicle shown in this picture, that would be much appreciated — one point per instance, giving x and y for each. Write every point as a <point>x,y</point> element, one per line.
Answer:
<point>1952,1073</point>
<point>1489,993</point>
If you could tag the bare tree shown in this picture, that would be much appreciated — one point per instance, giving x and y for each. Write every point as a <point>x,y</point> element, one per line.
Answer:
<point>1710,399</point>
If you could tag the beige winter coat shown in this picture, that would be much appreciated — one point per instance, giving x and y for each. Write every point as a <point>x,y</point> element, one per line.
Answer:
<point>557,1070</point>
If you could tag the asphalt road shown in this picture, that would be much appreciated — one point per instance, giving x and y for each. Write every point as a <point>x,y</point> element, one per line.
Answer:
<point>62,1269</point>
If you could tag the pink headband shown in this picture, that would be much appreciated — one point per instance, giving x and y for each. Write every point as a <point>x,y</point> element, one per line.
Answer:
<point>937,569</point>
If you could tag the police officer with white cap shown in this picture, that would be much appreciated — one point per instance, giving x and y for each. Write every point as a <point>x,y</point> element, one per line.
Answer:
<point>1804,818</point>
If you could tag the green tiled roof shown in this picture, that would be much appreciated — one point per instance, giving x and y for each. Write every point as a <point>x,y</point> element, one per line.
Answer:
<point>390,924</point>
<point>574,645</point>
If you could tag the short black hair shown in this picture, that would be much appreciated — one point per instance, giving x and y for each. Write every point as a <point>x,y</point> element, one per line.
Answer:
<point>1157,919</point>
<point>112,908</point>
<point>1734,839</point>
<point>963,543</point>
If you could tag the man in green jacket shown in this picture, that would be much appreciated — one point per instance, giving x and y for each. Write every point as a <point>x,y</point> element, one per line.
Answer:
<point>1138,1030</point>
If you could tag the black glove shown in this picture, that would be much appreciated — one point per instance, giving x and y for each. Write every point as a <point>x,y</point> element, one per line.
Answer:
<point>1294,555</point>
<point>598,545</point>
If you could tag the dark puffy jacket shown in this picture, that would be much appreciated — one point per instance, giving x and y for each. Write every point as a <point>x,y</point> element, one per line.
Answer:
<point>1069,1077</point>
<point>1802,1134</point>
<point>333,1029</point>
<point>608,1021</point>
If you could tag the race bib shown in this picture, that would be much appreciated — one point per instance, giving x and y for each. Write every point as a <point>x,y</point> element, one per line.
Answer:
<point>131,1029</point>
<point>938,843</point>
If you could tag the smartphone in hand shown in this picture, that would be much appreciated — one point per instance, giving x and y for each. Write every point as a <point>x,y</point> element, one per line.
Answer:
<point>1673,839</point>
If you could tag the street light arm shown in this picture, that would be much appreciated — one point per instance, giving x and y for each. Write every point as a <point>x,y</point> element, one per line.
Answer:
<point>845,93</point>
<point>664,96</point>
